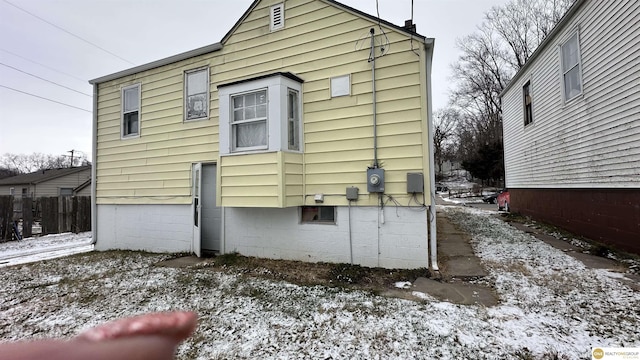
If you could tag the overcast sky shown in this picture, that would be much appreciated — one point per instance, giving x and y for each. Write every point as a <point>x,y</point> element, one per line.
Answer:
<point>135,32</point>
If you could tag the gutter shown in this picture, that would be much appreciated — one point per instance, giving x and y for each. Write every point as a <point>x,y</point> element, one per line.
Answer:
<point>94,165</point>
<point>433,241</point>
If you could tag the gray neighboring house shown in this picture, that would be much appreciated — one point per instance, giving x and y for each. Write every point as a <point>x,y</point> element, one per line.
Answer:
<point>571,120</point>
<point>52,182</point>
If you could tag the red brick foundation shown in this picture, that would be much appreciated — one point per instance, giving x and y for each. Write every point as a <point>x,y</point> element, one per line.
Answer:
<point>610,216</point>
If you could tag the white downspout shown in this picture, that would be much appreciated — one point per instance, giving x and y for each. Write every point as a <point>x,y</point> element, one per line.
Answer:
<point>432,179</point>
<point>94,157</point>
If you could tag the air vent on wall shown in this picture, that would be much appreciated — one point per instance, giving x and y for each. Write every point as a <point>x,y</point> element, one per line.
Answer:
<point>277,17</point>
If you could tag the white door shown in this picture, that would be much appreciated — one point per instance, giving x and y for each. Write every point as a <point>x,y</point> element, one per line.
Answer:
<point>196,208</point>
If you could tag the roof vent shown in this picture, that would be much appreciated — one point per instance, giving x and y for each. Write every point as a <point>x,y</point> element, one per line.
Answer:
<point>277,17</point>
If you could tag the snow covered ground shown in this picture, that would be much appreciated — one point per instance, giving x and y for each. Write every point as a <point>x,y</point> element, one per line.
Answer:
<point>44,248</point>
<point>551,306</point>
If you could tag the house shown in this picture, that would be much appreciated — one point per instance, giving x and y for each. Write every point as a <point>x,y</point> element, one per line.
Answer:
<point>303,134</point>
<point>571,120</point>
<point>50,182</point>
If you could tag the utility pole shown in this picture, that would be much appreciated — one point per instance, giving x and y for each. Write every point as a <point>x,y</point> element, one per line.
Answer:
<point>71,151</point>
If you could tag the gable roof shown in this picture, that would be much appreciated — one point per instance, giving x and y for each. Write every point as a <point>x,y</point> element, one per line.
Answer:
<point>42,176</point>
<point>548,40</point>
<point>330,2</point>
<point>217,46</point>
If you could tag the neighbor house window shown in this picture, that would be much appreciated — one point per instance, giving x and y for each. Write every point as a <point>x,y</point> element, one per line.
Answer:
<point>131,110</point>
<point>293,120</point>
<point>528,108</point>
<point>66,191</point>
<point>196,94</point>
<point>24,192</point>
<point>318,214</point>
<point>12,191</point>
<point>571,78</point>
<point>277,17</point>
<point>249,120</point>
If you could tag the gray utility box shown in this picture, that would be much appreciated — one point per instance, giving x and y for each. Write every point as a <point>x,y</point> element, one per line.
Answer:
<point>415,183</point>
<point>375,180</point>
<point>352,193</point>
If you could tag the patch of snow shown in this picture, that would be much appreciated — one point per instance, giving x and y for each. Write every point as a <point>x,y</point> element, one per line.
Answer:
<point>550,303</point>
<point>403,284</point>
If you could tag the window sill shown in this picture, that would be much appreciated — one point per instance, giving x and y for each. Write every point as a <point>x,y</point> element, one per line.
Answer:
<point>196,119</point>
<point>130,136</point>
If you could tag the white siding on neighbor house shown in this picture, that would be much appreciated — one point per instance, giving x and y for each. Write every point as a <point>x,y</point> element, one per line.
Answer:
<point>594,139</point>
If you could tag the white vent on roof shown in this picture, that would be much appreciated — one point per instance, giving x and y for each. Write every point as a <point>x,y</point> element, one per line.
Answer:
<point>277,17</point>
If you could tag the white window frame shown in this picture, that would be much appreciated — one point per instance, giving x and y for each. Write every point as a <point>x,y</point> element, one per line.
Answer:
<point>12,191</point>
<point>277,8</point>
<point>123,113</point>
<point>564,72</point>
<point>235,123</point>
<point>206,94</point>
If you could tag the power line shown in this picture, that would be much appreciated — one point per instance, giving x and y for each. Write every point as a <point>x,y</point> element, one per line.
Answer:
<point>43,65</point>
<point>44,98</point>
<point>43,79</point>
<point>68,32</point>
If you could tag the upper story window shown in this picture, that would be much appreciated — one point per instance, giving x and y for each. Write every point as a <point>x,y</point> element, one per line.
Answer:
<point>261,114</point>
<point>571,77</point>
<point>277,17</point>
<point>249,121</point>
<point>527,102</point>
<point>196,94</point>
<point>131,111</point>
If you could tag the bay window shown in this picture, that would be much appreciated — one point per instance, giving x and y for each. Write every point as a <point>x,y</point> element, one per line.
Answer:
<point>261,114</point>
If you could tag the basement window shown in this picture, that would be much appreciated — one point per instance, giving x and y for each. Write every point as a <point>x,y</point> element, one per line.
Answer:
<point>277,17</point>
<point>318,214</point>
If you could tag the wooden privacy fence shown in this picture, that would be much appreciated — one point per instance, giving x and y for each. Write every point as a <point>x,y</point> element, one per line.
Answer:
<point>55,214</point>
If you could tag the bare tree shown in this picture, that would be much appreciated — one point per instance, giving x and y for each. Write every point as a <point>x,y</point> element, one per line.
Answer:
<point>24,164</point>
<point>443,133</point>
<point>490,57</point>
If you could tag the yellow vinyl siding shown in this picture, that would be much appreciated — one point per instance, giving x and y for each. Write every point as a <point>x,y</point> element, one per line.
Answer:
<point>249,180</point>
<point>293,181</point>
<point>273,179</point>
<point>317,43</point>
